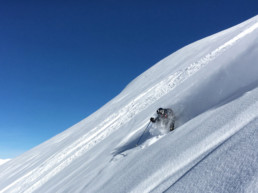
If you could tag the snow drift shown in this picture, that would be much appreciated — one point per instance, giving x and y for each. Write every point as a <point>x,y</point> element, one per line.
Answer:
<point>212,87</point>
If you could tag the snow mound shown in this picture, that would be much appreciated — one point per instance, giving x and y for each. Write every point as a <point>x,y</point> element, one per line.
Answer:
<point>211,85</point>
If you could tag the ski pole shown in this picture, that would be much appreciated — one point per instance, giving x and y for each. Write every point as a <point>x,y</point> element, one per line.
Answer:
<point>142,134</point>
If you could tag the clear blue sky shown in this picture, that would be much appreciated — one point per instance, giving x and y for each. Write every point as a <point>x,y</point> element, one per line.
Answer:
<point>62,60</point>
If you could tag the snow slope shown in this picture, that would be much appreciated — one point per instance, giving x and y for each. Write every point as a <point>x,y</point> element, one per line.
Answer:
<point>212,87</point>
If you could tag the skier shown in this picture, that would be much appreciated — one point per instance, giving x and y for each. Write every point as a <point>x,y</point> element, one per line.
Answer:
<point>165,117</point>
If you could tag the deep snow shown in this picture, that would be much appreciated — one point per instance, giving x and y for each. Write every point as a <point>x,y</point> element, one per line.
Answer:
<point>212,87</point>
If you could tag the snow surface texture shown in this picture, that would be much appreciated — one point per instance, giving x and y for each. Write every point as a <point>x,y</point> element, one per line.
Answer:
<point>212,87</point>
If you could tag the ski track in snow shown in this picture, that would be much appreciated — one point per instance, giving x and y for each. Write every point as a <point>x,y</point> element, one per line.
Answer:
<point>57,162</point>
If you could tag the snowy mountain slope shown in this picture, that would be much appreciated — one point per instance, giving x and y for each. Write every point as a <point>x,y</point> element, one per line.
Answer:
<point>212,87</point>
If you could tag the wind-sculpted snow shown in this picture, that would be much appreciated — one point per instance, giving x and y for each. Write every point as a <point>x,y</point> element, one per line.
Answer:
<point>238,171</point>
<point>199,146</point>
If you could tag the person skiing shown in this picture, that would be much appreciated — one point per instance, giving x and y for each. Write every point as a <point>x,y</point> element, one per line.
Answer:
<point>165,117</point>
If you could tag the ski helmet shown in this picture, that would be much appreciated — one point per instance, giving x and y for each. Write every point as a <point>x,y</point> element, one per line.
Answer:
<point>161,111</point>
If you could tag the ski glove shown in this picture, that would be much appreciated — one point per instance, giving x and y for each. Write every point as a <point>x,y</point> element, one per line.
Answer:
<point>152,120</point>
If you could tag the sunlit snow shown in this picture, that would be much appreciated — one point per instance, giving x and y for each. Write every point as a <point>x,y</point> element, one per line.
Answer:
<point>211,85</point>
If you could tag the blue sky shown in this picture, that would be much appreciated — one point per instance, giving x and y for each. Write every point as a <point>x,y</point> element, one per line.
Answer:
<point>62,60</point>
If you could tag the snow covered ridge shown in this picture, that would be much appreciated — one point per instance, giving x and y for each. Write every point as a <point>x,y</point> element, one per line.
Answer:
<point>212,87</point>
